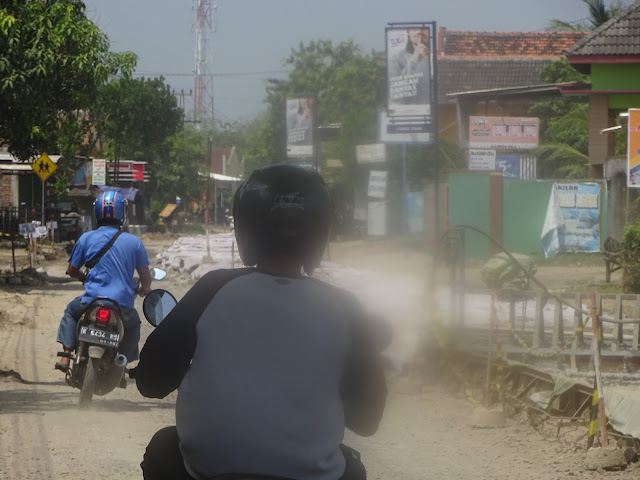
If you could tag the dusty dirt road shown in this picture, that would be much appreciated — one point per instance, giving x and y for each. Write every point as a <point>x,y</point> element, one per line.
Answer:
<point>424,435</point>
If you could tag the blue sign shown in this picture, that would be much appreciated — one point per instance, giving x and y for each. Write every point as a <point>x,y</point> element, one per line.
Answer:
<point>509,164</point>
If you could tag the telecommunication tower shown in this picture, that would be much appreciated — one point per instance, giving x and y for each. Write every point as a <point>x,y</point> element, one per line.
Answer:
<point>203,92</point>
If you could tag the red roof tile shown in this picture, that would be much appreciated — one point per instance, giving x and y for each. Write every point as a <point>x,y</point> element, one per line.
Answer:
<point>506,44</point>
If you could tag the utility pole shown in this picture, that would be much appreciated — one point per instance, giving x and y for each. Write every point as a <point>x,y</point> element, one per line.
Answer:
<point>181,102</point>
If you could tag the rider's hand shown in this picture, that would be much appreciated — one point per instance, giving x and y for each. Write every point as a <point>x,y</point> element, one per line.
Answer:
<point>143,292</point>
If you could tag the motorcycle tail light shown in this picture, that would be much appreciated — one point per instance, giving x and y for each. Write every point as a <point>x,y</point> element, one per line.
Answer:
<point>102,315</point>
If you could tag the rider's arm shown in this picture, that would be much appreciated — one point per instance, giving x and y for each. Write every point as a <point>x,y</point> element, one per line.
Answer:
<point>145,281</point>
<point>142,267</point>
<point>76,273</point>
<point>77,260</point>
<point>364,388</point>
<point>167,353</point>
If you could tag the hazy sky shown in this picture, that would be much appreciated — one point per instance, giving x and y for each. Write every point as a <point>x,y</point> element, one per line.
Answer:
<point>257,35</point>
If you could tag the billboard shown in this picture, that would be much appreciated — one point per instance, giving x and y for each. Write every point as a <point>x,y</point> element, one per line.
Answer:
<point>300,127</point>
<point>409,69</point>
<point>502,133</point>
<point>572,222</point>
<point>633,154</point>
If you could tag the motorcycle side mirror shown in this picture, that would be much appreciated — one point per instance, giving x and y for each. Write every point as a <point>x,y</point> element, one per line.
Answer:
<point>157,305</point>
<point>157,274</point>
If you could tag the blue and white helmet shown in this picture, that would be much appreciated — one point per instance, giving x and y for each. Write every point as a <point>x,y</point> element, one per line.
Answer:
<point>110,207</point>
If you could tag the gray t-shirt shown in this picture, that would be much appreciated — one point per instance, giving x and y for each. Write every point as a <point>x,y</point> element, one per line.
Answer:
<point>275,368</point>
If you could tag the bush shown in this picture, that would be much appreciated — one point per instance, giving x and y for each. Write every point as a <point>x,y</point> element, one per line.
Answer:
<point>630,258</point>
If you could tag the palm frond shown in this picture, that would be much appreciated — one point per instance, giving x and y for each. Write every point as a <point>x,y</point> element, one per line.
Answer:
<point>561,153</point>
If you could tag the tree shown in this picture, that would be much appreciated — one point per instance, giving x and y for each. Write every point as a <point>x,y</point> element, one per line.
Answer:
<point>52,62</point>
<point>180,173</point>
<point>599,13</point>
<point>136,117</point>
<point>564,127</point>
<point>349,86</point>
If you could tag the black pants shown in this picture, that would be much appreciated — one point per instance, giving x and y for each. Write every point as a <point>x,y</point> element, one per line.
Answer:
<point>163,460</point>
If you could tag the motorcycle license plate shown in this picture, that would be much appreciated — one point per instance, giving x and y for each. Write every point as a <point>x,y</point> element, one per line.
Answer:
<point>99,337</point>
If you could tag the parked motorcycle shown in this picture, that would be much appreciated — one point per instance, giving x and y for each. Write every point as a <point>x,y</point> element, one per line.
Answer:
<point>96,366</point>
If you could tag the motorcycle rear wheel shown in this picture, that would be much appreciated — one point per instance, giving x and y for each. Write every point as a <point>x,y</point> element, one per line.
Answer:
<point>89,383</point>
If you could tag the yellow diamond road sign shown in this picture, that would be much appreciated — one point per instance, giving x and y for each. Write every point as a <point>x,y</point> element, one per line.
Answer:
<point>44,167</point>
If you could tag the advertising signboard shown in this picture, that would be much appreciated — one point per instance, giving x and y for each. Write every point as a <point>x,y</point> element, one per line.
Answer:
<point>503,132</point>
<point>374,153</point>
<point>377,184</point>
<point>415,212</point>
<point>300,127</point>
<point>411,81</point>
<point>572,222</point>
<point>633,154</point>
<point>394,130</point>
<point>482,159</point>
<point>377,218</point>
<point>409,67</point>
<point>99,171</point>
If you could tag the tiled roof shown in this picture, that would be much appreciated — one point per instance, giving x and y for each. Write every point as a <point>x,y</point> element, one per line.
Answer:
<point>506,44</point>
<point>618,36</point>
<point>469,74</point>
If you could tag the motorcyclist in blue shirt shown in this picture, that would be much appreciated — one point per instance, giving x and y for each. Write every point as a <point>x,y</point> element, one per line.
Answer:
<point>270,364</point>
<point>111,277</point>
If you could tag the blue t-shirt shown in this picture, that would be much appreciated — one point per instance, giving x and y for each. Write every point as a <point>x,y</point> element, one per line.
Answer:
<point>113,275</point>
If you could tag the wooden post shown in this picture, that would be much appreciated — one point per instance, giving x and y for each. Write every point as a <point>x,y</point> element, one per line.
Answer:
<point>538,327</point>
<point>578,341</point>
<point>487,384</point>
<point>597,339</point>
<point>636,326</point>
<point>558,326</point>
<point>512,311</point>
<point>13,250</point>
<point>617,327</point>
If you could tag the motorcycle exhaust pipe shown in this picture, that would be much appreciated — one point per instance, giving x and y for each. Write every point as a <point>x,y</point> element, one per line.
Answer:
<point>120,361</point>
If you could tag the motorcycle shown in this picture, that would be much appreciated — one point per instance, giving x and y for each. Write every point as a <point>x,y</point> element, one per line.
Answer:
<point>96,366</point>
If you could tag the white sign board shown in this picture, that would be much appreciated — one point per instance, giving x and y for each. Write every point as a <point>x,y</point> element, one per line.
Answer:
<point>377,184</point>
<point>482,159</point>
<point>377,218</point>
<point>99,172</point>
<point>374,153</point>
<point>398,131</point>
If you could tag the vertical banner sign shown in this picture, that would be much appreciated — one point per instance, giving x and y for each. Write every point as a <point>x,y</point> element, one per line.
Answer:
<point>409,70</point>
<point>410,51</point>
<point>300,127</point>
<point>99,172</point>
<point>572,223</point>
<point>633,173</point>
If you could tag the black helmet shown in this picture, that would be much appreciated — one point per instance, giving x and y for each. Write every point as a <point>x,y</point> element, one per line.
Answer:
<point>282,209</point>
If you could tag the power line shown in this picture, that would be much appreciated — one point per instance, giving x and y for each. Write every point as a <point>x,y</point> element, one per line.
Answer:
<point>231,74</point>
